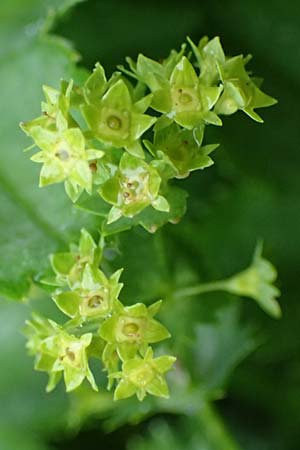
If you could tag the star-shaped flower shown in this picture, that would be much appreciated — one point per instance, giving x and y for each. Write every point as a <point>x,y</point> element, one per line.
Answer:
<point>180,95</point>
<point>93,298</point>
<point>132,328</point>
<point>58,352</point>
<point>134,186</point>
<point>64,157</point>
<point>144,375</point>
<point>180,148</point>
<point>113,116</point>
<point>240,90</point>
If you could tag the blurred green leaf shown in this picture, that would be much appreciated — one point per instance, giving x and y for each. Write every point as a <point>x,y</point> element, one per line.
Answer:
<point>25,406</point>
<point>33,223</point>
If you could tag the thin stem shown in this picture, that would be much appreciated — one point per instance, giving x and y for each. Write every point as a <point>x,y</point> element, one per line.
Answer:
<point>76,328</point>
<point>214,429</point>
<point>201,289</point>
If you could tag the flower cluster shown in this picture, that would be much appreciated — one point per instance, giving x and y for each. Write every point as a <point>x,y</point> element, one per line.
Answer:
<point>118,144</point>
<point>125,141</point>
<point>117,334</point>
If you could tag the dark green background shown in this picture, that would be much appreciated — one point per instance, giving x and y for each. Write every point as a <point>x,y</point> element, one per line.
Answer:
<point>252,192</point>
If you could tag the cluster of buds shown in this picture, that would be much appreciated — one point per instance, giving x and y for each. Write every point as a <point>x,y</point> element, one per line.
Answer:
<point>98,138</point>
<point>119,336</point>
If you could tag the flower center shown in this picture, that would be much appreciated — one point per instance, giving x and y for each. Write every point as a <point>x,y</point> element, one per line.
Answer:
<point>130,329</point>
<point>95,301</point>
<point>62,154</point>
<point>114,122</point>
<point>142,376</point>
<point>185,98</point>
<point>70,355</point>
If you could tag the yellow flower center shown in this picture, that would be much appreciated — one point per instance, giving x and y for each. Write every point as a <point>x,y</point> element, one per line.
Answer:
<point>114,122</point>
<point>185,98</point>
<point>130,329</point>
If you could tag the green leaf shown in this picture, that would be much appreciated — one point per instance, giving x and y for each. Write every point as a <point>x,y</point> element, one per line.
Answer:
<point>35,415</point>
<point>34,223</point>
<point>221,345</point>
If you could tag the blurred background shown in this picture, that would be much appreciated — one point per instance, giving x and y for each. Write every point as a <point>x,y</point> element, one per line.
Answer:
<point>238,386</point>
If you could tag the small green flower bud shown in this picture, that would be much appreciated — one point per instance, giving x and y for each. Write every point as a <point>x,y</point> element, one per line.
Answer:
<point>257,282</point>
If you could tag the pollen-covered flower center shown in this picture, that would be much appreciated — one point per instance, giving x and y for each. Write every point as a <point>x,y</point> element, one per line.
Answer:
<point>114,122</point>
<point>131,190</point>
<point>96,303</point>
<point>130,329</point>
<point>134,190</point>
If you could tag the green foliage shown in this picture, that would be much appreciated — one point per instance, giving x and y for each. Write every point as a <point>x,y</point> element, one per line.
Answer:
<point>229,207</point>
<point>37,218</point>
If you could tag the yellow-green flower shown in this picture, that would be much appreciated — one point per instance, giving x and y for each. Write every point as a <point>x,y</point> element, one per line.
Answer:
<point>134,186</point>
<point>94,297</point>
<point>59,353</point>
<point>241,91</point>
<point>132,328</point>
<point>144,375</point>
<point>180,95</point>
<point>65,158</point>
<point>112,115</point>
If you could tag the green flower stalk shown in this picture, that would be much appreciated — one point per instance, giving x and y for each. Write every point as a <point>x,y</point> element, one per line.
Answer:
<point>143,375</point>
<point>255,282</point>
